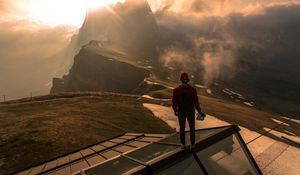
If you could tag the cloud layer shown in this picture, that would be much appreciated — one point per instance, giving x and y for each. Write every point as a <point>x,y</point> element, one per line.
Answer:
<point>29,57</point>
<point>214,45</point>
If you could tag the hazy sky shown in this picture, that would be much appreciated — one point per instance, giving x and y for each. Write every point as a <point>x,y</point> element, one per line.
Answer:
<point>50,12</point>
<point>72,12</point>
<point>32,32</point>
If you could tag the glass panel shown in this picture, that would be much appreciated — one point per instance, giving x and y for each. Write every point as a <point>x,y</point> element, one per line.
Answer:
<point>98,148</point>
<point>151,151</point>
<point>227,157</point>
<point>108,144</point>
<point>50,165</point>
<point>63,171</point>
<point>150,139</point>
<point>37,169</point>
<point>124,148</point>
<point>187,166</point>
<point>87,152</point>
<point>137,144</point>
<point>82,164</point>
<point>63,160</point>
<point>199,135</point>
<point>127,137</point>
<point>95,159</point>
<point>110,154</point>
<point>117,140</point>
<point>75,156</point>
<point>24,172</point>
<point>117,166</point>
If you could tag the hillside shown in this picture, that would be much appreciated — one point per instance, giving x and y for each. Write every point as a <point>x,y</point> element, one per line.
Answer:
<point>39,129</point>
<point>245,116</point>
<point>100,72</point>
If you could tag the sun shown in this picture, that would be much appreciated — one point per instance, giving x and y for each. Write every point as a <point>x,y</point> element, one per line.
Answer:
<point>66,12</point>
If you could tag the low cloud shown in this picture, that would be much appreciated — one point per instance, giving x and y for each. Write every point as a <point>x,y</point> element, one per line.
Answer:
<point>214,42</point>
<point>29,56</point>
<point>206,58</point>
<point>261,8</point>
<point>216,7</point>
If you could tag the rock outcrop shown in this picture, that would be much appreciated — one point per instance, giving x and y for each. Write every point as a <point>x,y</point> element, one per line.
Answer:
<point>95,72</point>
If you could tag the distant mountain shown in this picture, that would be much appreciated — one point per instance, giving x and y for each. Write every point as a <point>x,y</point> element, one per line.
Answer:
<point>255,55</point>
<point>100,72</point>
<point>125,39</point>
<point>267,59</point>
<point>130,24</point>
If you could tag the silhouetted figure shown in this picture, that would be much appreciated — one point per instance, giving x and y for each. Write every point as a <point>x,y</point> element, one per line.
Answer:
<point>185,101</point>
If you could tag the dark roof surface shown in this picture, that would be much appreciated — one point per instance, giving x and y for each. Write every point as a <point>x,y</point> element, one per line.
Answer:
<point>218,150</point>
<point>93,155</point>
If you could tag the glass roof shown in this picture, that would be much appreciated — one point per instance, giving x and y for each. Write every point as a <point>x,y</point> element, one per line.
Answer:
<point>199,135</point>
<point>147,154</point>
<point>163,156</point>
<point>151,152</point>
<point>93,155</point>
<point>116,166</point>
<point>187,166</point>
<point>227,156</point>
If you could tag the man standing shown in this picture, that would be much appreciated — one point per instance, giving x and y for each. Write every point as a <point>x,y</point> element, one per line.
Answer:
<point>185,101</point>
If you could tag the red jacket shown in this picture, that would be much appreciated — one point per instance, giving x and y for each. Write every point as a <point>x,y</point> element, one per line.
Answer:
<point>185,99</point>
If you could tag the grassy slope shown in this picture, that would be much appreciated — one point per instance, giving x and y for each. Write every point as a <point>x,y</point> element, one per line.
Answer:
<point>234,113</point>
<point>37,131</point>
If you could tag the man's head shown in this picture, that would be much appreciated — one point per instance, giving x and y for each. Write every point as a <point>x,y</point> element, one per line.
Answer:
<point>184,78</point>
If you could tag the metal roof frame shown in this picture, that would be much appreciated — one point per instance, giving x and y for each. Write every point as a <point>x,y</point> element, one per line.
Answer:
<point>171,158</point>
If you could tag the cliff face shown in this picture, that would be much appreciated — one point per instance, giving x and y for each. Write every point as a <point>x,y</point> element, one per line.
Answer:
<point>125,29</point>
<point>130,24</point>
<point>94,72</point>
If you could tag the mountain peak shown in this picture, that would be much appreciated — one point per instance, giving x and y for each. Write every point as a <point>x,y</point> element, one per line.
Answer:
<point>130,24</point>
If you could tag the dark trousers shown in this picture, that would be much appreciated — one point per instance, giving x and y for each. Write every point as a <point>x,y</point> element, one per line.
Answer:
<point>190,116</point>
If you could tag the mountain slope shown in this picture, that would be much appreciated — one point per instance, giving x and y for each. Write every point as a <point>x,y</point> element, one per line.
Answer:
<point>130,24</point>
<point>100,72</point>
<point>49,126</point>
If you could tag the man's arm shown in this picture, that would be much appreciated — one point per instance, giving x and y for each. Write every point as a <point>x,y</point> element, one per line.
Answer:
<point>175,103</point>
<point>196,102</point>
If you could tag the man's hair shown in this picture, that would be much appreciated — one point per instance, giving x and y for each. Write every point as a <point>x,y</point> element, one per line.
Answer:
<point>184,77</point>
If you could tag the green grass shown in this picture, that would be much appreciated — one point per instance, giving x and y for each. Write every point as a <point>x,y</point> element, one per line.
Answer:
<point>42,129</point>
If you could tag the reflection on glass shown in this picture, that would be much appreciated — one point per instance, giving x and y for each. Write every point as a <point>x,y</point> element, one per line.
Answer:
<point>188,166</point>
<point>117,166</point>
<point>199,135</point>
<point>227,157</point>
<point>152,151</point>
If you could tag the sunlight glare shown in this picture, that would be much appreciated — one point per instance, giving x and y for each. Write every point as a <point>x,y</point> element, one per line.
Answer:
<point>68,12</point>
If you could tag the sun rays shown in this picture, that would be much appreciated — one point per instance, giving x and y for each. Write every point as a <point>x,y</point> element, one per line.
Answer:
<point>64,12</point>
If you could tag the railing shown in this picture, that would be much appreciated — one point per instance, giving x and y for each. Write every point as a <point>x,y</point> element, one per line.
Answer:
<point>5,98</point>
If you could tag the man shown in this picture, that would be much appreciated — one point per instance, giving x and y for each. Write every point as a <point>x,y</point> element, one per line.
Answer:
<point>185,101</point>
